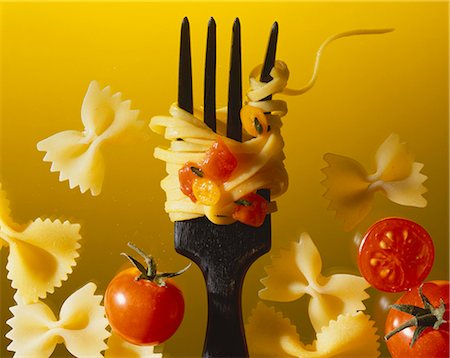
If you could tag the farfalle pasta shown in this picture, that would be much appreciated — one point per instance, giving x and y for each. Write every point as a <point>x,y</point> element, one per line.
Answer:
<point>41,253</point>
<point>81,326</point>
<point>350,188</point>
<point>297,271</point>
<point>77,155</point>
<point>350,335</point>
<point>119,348</point>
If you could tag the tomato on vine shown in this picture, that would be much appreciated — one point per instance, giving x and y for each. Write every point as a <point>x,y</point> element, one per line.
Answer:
<point>143,306</point>
<point>395,255</point>
<point>417,324</point>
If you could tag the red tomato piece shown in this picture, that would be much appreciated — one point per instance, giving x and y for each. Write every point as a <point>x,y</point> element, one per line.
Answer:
<point>431,343</point>
<point>142,312</point>
<point>395,255</point>
<point>251,210</point>
<point>219,163</point>
<point>186,177</point>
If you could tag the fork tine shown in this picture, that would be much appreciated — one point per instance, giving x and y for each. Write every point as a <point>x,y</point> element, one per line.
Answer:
<point>185,70</point>
<point>265,77</point>
<point>209,96</point>
<point>269,61</point>
<point>234,125</point>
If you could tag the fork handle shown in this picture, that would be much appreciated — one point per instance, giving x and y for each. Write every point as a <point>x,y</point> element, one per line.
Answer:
<point>225,336</point>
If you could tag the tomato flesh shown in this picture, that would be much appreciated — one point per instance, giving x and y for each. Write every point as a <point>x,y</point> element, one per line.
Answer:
<point>219,162</point>
<point>142,312</point>
<point>186,178</point>
<point>431,343</point>
<point>254,212</point>
<point>395,255</point>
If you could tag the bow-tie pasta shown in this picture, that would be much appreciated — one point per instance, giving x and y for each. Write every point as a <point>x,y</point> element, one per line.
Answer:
<point>350,188</point>
<point>78,155</point>
<point>351,335</point>
<point>297,271</point>
<point>81,326</point>
<point>119,348</point>
<point>41,253</point>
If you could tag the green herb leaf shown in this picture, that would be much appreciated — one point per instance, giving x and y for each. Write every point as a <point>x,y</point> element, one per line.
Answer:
<point>258,126</point>
<point>243,202</point>
<point>197,171</point>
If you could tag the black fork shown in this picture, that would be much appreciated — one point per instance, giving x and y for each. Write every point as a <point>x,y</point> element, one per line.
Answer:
<point>223,252</point>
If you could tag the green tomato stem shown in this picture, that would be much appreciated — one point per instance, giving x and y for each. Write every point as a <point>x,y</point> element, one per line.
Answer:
<point>150,271</point>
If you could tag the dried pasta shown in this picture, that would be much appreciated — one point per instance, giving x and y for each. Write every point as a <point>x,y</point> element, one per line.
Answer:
<point>118,348</point>
<point>260,159</point>
<point>76,155</point>
<point>351,335</point>
<point>41,253</point>
<point>81,326</point>
<point>350,188</point>
<point>297,271</point>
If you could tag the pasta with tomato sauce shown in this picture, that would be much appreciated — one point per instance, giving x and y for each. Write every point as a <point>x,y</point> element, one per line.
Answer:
<point>193,192</point>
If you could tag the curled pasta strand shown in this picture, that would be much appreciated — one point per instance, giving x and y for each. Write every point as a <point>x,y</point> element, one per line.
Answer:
<point>260,159</point>
<point>259,164</point>
<point>280,72</point>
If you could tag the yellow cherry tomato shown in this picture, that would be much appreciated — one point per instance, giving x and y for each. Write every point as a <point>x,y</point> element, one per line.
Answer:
<point>254,120</point>
<point>206,191</point>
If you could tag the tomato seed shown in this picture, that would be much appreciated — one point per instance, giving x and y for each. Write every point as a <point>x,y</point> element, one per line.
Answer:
<point>384,273</point>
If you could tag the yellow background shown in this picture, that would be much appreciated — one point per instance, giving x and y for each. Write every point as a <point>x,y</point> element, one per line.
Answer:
<point>368,87</point>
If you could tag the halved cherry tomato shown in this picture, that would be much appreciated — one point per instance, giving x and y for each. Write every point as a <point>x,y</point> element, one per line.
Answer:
<point>219,162</point>
<point>395,255</point>
<point>254,120</point>
<point>206,191</point>
<point>251,210</point>
<point>429,342</point>
<point>186,176</point>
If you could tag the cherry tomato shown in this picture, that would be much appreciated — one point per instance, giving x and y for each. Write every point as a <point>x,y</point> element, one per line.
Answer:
<point>431,343</point>
<point>219,162</point>
<point>186,176</point>
<point>251,210</point>
<point>395,255</point>
<point>206,191</point>
<point>141,311</point>
<point>254,121</point>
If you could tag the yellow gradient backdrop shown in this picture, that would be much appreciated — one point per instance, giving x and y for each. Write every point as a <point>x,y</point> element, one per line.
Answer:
<point>368,87</point>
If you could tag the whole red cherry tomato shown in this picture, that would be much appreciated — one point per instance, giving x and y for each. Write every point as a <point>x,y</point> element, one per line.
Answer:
<point>251,210</point>
<point>142,306</point>
<point>429,342</point>
<point>219,162</point>
<point>395,255</point>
